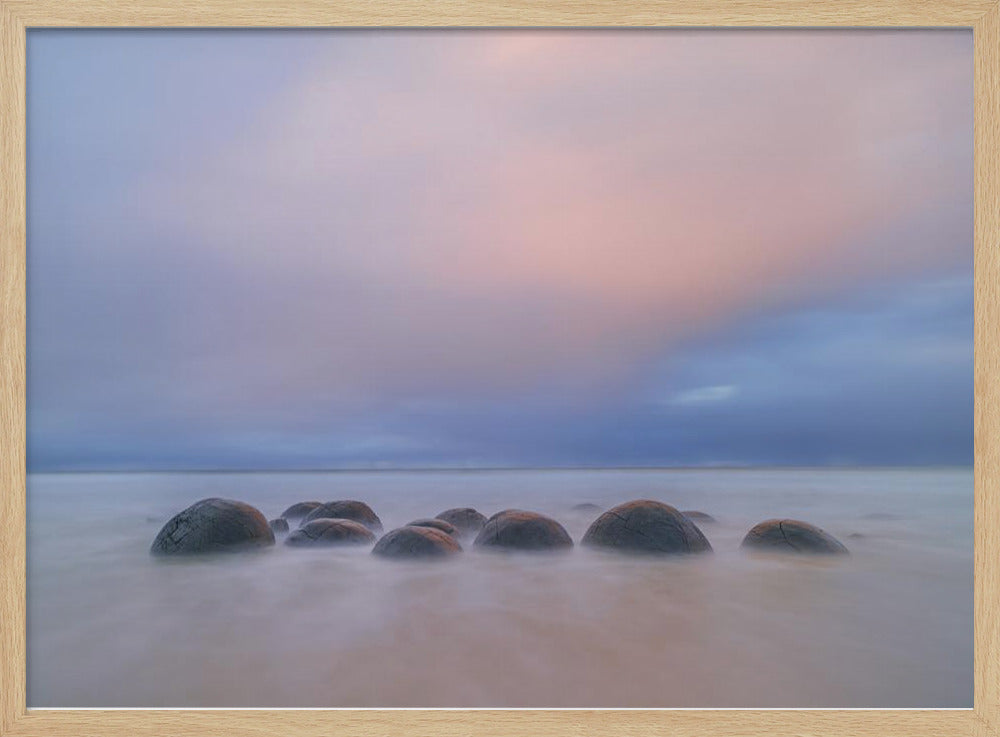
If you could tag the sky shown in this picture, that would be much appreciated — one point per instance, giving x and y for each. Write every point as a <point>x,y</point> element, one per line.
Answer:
<point>393,249</point>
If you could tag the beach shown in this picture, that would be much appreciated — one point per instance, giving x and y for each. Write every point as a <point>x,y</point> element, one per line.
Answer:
<point>889,626</point>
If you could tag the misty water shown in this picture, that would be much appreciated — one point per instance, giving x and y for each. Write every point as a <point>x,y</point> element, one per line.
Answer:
<point>889,626</point>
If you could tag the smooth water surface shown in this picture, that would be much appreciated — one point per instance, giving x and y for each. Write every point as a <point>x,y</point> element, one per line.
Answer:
<point>890,626</point>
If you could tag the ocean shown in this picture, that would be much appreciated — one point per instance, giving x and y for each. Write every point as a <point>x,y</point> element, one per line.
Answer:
<point>890,626</point>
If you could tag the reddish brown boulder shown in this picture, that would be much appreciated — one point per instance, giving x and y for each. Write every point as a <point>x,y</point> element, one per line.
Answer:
<point>646,526</point>
<point>416,542</point>
<point>516,529</point>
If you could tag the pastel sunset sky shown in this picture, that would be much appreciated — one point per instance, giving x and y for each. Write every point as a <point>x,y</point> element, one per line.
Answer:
<point>323,249</point>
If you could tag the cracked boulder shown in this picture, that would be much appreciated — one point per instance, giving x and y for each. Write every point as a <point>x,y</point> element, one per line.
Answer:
<point>466,520</point>
<point>416,542</point>
<point>299,510</point>
<point>211,526</point>
<point>438,524</point>
<point>515,529</point>
<point>346,509</point>
<point>328,532</point>
<point>645,526</point>
<point>792,536</point>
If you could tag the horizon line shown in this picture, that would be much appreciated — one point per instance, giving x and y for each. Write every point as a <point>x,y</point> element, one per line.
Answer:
<point>480,469</point>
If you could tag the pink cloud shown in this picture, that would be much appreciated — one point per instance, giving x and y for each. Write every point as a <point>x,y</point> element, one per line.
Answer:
<point>488,209</point>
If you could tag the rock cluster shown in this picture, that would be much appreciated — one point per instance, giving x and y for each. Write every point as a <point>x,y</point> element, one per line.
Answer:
<point>640,526</point>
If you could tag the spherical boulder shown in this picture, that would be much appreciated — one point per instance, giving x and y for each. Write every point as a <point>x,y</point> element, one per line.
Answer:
<point>438,524</point>
<point>645,526</point>
<point>299,510</point>
<point>416,542</point>
<point>515,529</point>
<point>696,516</point>
<point>327,532</point>
<point>346,509</point>
<point>792,536</point>
<point>213,525</point>
<point>279,525</point>
<point>466,519</point>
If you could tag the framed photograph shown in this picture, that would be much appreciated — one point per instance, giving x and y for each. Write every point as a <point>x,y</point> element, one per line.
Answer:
<point>470,369</point>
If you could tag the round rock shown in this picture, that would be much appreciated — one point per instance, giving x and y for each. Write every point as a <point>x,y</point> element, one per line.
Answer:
<point>438,524</point>
<point>213,525</point>
<point>792,536</point>
<point>327,532</point>
<point>299,510</point>
<point>696,516</point>
<point>466,519</point>
<point>416,542</point>
<point>279,525</point>
<point>515,529</point>
<point>346,509</point>
<point>646,526</point>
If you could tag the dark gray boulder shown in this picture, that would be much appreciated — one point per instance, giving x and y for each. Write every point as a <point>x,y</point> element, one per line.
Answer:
<point>416,542</point>
<point>212,526</point>
<point>299,510</point>
<point>516,529</point>
<point>279,526</point>
<point>466,519</point>
<point>792,536</point>
<point>327,532</point>
<point>646,526</point>
<point>346,509</point>
<point>696,516</point>
<point>438,524</point>
<point>587,507</point>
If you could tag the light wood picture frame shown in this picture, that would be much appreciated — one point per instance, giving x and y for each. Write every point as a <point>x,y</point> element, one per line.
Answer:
<point>18,16</point>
